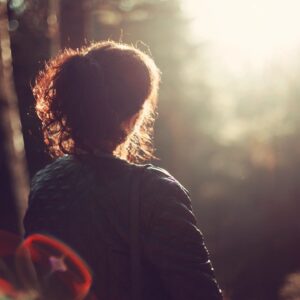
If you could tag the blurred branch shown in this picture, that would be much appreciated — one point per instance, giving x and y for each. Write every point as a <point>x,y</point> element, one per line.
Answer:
<point>10,127</point>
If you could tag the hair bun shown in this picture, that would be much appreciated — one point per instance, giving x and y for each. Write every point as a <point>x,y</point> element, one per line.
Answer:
<point>84,97</point>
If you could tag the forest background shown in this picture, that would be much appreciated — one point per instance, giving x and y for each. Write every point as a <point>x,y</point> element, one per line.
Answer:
<point>228,125</point>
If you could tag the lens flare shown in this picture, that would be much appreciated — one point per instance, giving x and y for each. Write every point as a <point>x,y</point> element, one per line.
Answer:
<point>59,270</point>
<point>6,289</point>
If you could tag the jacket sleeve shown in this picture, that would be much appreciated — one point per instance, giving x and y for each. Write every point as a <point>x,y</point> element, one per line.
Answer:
<point>174,245</point>
<point>34,216</point>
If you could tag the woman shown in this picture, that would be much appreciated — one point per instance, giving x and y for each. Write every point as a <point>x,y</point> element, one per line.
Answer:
<point>97,106</point>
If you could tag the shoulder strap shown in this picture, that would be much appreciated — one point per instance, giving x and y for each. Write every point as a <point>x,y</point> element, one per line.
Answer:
<point>135,248</point>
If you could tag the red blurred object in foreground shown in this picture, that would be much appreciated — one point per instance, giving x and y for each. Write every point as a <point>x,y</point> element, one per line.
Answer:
<point>44,267</point>
<point>60,272</point>
<point>6,289</point>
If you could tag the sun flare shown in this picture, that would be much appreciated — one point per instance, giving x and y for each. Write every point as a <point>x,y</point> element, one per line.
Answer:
<point>247,31</point>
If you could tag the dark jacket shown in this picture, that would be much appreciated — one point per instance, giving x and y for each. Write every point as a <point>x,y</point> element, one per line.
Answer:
<point>84,201</point>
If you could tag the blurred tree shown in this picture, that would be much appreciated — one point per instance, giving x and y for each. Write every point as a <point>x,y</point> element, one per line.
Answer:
<point>30,41</point>
<point>13,188</point>
<point>74,17</point>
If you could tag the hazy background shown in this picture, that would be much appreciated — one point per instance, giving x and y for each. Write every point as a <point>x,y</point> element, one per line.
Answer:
<point>229,117</point>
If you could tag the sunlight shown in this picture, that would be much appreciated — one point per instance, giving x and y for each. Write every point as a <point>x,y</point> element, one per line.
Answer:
<point>251,32</point>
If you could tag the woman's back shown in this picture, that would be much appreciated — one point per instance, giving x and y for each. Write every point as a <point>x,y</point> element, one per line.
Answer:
<point>97,104</point>
<point>84,201</point>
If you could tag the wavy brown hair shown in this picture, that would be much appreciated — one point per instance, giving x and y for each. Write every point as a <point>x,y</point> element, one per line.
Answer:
<point>100,98</point>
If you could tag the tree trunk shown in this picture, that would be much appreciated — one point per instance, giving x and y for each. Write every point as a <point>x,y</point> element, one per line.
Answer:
<point>13,176</point>
<point>74,17</point>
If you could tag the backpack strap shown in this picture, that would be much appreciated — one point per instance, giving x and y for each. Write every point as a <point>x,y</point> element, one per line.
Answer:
<point>135,247</point>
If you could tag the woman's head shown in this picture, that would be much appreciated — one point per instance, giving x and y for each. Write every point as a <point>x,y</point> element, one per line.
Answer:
<point>100,98</point>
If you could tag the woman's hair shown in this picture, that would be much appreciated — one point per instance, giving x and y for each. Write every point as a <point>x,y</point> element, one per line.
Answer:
<point>88,100</point>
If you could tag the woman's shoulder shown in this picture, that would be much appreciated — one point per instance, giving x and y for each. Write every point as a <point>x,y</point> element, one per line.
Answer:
<point>57,169</point>
<point>159,184</point>
<point>57,177</point>
<point>159,175</point>
<point>69,173</point>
